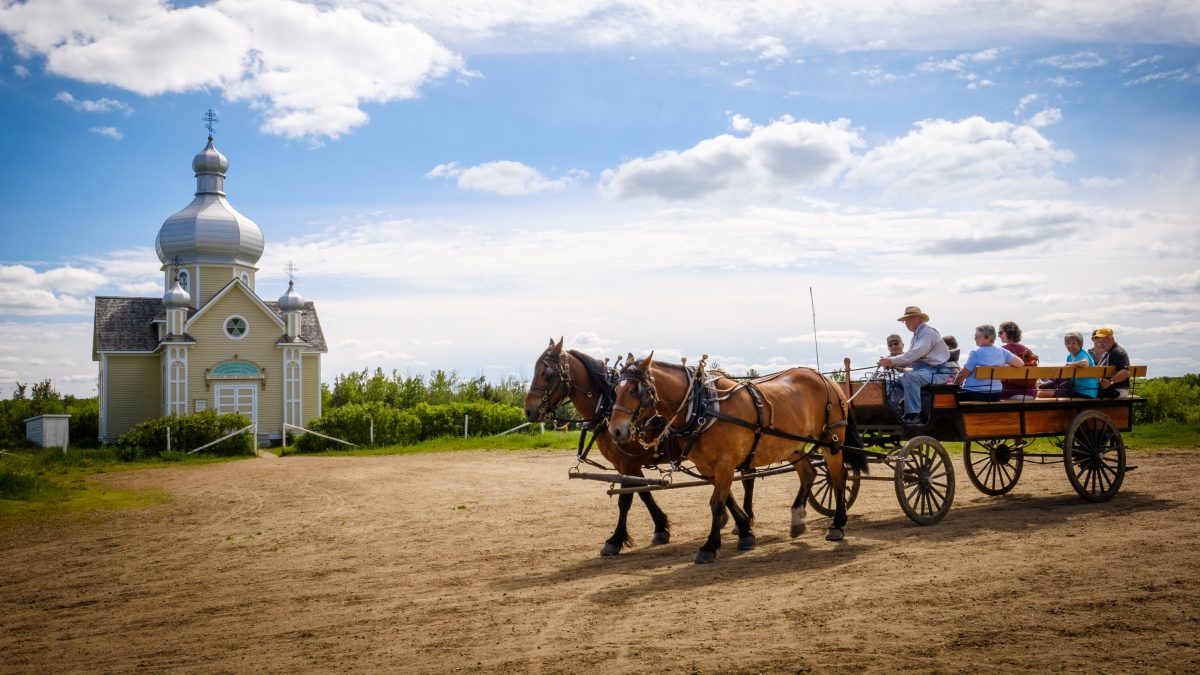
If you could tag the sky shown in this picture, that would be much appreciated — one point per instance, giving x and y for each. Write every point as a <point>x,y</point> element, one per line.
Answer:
<point>769,183</point>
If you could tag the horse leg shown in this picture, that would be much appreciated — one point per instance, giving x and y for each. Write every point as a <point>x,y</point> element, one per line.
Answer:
<point>747,501</point>
<point>807,474</point>
<point>662,526</point>
<point>744,530</point>
<point>837,475</point>
<point>620,536</point>
<point>716,505</point>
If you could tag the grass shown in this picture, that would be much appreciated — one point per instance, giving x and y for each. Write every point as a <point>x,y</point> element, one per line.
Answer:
<point>551,440</point>
<point>1162,435</point>
<point>36,484</point>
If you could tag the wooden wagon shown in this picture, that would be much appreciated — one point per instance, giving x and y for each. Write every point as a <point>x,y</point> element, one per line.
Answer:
<point>995,438</point>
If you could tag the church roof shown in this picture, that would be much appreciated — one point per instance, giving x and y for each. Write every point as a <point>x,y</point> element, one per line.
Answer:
<point>127,325</point>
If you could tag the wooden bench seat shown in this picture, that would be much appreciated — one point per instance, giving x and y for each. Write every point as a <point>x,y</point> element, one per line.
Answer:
<point>1051,372</point>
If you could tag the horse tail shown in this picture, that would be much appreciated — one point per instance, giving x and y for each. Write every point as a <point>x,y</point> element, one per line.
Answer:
<point>853,453</point>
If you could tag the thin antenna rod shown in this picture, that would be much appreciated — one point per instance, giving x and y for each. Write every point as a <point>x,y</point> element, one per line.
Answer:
<point>816,344</point>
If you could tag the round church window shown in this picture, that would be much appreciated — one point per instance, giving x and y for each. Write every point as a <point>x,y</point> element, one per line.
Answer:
<point>236,327</point>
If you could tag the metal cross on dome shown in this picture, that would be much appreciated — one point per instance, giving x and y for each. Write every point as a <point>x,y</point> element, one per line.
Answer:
<point>291,270</point>
<point>210,118</point>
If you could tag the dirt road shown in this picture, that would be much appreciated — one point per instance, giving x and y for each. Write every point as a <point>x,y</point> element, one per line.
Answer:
<point>488,561</point>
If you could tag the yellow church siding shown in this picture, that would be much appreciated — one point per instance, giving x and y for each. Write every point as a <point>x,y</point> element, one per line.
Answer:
<point>258,346</point>
<point>311,397</point>
<point>134,391</point>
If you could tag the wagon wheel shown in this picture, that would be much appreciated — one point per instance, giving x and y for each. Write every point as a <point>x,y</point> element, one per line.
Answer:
<point>995,465</point>
<point>821,496</point>
<point>1094,456</point>
<point>924,480</point>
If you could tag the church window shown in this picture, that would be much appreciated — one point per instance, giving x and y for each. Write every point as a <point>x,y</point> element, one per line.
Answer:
<point>183,280</point>
<point>236,327</point>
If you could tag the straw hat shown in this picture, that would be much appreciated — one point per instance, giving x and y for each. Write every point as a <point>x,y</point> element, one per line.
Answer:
<point>911,311</point>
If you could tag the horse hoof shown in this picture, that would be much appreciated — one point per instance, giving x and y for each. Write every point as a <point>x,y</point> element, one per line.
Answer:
<point>799,529</point>
<point>834,534</point>
<point>660,538</point>
<point>746,543</point>
<point>705,557</point>
<point>610,550</point>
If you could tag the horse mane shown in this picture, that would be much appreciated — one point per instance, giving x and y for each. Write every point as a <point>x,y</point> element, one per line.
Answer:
<point>595,367</point>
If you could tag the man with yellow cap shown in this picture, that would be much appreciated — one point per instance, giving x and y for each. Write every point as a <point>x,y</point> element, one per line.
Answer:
<point>928,357</point>
<point>1107,352</point>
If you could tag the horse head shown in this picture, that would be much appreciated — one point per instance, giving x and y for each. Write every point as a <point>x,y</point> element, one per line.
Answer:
<point>551,383</point>
<point>635,399</point>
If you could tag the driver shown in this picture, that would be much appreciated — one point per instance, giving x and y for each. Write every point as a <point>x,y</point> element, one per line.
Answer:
<point>927,355</point>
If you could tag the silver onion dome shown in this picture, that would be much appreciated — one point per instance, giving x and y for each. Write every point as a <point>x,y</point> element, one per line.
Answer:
<point>291,300</point>
<point>176,297</point>
<point>210,230</point>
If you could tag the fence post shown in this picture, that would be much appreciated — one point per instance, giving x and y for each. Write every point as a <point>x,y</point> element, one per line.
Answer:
<point>543,427</point>
<point>466,424</point>
<point>371,433</point>
<point>168,439</point>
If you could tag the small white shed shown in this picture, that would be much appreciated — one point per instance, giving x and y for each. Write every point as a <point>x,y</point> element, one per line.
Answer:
<point>49,431</point>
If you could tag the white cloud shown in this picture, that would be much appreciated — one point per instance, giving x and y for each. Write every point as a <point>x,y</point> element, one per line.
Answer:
<point>1176,75</point>
<point>743,83</point>
<point>992,282</point>
<point>1025,102</point>
<point>108,132</point>
<point>959,63</point>
<point>40,346</point>
<point>310,69</point>
<point>21,71</point>
<point>26,292</point>
<point>1188,282</point>
<point>973,158</point>
<point>503,178</point>
<point>1045,118</point>
<point>875,75</point>
<point>739,123</point>
<point>1064,82</point>
<point>783,154</point>
<point>770,48</point>
<point>1134,65</point>
<point>1101,182</point>
<point>1082,60</point>
<point>101,105</point>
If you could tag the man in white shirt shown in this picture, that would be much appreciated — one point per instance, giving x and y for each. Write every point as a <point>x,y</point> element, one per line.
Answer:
<point>927,355</point>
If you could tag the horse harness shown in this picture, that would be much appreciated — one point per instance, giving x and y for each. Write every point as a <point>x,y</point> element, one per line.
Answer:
<point>705,410</point>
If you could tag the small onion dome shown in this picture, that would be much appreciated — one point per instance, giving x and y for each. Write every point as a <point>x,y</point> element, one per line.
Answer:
<point>210,160</point>
<point>177,297</point>
<point>291,300</point>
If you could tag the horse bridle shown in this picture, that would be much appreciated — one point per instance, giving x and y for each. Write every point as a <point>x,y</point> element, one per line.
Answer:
<point>562,367</point>
<point>647,397</point>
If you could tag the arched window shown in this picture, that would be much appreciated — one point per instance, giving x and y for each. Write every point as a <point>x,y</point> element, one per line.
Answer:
<point>185,280</point>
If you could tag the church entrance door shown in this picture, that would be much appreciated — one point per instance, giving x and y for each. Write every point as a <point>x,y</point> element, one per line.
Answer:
<point>237,398</point>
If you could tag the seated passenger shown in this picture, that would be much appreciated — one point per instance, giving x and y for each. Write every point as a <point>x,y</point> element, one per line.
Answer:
<point>1077,357</point>
<point>895,347</point>
<point>952,345</point>
<point>1010,337</point>
<point>927,355</point>
<point>986,353</point>
<point>1108,353</point>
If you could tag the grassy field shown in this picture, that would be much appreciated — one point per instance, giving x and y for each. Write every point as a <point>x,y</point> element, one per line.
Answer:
<point>37,484</point>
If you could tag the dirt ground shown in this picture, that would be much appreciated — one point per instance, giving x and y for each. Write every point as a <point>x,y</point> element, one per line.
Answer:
<point>488,561</point>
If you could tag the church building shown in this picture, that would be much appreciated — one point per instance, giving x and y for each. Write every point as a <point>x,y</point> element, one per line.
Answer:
<point>210,342</point>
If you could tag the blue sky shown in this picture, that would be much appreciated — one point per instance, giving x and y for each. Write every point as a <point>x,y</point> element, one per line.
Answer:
<point>459,182</point>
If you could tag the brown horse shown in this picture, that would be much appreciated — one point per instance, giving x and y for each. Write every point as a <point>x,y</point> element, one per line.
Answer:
<point>559,375</point>
<point>769,422</point>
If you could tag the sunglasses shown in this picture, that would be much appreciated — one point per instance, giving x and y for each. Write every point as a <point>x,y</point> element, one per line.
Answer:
<point>893,344</point>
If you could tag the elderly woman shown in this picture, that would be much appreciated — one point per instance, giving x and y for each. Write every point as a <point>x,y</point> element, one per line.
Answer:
<point>1010,338</point>
<point>986,353</point>
<point>1078,357</point>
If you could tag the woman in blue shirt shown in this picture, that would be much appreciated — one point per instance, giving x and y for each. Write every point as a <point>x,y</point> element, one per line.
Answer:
<point>1078,357</point>
<point>986,353</point>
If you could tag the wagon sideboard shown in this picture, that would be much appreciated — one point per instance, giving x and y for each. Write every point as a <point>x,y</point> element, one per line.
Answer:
<point>1007,418</point>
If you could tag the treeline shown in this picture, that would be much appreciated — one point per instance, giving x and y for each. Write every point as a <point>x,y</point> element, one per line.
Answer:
<point>378,409</point>
<point>42,399</point>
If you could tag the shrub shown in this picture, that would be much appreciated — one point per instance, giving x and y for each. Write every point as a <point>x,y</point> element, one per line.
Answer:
<point>1168,400</point>
<point>149,439</point>
<point>352,422</point>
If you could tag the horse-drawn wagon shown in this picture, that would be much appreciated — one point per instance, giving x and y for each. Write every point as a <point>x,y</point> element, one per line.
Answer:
<point>996,438</point>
